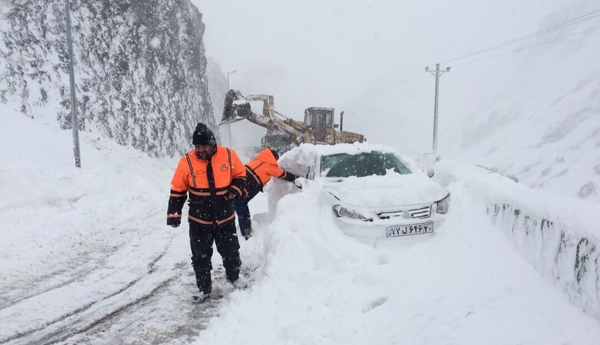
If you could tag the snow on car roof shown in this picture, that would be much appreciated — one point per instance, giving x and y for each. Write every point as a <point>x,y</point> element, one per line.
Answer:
<point>300,158</point>
<point>352,149</point>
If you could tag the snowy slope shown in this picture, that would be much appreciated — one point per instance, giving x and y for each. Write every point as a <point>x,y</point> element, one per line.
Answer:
<point>536,115</point>
<point>140,69</point>
<point>52,203</point>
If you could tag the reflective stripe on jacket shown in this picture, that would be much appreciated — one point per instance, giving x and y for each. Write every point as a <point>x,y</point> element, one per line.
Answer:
<point>208,184</point>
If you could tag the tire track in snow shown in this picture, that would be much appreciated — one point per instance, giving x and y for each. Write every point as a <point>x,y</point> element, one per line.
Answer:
<point>138,324</point>
<point>71,315</point>
<point>81,326</point>
<point>78,276</point>
<point>85,317</point>
<point>77,268</point>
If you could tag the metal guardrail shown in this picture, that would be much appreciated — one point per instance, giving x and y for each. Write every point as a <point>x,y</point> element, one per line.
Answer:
<point>559,236</point>
<point>572,260</point>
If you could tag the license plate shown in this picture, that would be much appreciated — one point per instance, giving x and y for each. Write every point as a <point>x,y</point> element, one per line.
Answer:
<point>407,230</point>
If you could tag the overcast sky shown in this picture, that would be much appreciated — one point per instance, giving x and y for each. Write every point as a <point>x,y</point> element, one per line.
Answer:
<point>368,57</point>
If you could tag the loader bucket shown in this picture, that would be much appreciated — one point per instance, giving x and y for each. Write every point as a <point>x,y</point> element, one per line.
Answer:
<point>236,108</point>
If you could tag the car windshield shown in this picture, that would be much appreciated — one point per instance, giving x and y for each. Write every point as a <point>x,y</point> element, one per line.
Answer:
<point>361,165</point>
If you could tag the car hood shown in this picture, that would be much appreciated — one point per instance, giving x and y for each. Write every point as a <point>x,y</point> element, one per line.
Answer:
<point>387,191</point>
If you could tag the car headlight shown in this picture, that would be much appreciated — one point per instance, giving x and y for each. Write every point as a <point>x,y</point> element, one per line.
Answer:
<point>342,212</point>
<point>443,205</point>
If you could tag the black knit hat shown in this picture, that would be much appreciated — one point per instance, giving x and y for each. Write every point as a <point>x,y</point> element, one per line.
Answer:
<point>275,154</point>
<point>203,135</point>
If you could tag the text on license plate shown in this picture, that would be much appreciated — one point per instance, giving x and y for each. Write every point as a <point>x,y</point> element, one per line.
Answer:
<point>407,230</point>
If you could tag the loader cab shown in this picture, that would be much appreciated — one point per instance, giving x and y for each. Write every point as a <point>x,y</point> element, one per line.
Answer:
<point>316,117</point>
<point>319,120</point>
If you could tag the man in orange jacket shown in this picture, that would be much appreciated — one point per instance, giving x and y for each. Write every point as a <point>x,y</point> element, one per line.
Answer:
<point>213,176</point>
<point>258,172</point>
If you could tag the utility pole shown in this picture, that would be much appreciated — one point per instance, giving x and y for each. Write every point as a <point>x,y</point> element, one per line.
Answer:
<point>74,124</point>
<point>228,73</point>
<point>437,74</point>
<point>230,135</point>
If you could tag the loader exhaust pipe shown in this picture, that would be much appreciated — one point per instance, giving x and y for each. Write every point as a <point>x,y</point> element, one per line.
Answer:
<point>341,121</point>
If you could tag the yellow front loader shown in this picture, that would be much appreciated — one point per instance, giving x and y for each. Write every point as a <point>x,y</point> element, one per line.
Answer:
<point>282,132</point>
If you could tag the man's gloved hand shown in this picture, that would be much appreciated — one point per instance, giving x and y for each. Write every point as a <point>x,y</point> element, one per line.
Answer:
<point>246,233</point>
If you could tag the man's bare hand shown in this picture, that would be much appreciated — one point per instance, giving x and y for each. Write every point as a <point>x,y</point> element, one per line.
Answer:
<point>231,196</point>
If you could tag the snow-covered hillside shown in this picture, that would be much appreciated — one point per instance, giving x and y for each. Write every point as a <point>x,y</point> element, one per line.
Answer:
<point>531,111</point>
<point>545,130</point>
<point>549,139</point>
<point>139,69</point>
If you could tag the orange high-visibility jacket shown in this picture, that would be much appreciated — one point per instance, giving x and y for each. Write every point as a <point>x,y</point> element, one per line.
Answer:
<point>260,170</point>
<point>264,166</point>
<point>208,184</point>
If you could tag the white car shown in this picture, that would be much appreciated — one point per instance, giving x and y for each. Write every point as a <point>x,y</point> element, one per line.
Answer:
<point>374,193</point>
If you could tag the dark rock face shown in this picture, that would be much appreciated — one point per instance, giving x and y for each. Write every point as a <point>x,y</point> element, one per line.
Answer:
<point>140,68</point>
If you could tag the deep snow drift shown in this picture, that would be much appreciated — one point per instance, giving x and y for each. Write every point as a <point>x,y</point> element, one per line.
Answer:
<point>86,257</point>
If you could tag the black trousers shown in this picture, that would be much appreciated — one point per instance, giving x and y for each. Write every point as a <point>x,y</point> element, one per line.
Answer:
<point>201,241</point>
<point>243,215</point>
<point>241,205</point>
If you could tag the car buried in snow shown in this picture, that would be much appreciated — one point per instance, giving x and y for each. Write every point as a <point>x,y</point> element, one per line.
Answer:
<point>374,193</point>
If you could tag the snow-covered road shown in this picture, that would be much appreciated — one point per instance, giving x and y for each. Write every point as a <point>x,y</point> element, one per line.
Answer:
<point>85,257</point>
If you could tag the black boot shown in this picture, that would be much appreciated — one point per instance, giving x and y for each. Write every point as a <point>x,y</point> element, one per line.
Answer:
<point>201,297</point>
<point>204,282</point>
<point>247,233</point>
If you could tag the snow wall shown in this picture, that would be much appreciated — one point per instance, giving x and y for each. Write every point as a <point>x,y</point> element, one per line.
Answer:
<point>558,235</point>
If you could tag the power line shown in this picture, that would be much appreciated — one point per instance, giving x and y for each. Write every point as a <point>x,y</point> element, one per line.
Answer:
<point>529,47</point>
<point>588,16</point>
<point>369,99</point>
<point>385,94</point>
<point>367,96</point>
<point>573,21</point>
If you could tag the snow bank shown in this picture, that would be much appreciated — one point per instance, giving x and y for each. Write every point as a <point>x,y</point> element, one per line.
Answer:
<point>72,241</point>
<point>558,235</point>
<point>85,257</point>
<point>465,285</point>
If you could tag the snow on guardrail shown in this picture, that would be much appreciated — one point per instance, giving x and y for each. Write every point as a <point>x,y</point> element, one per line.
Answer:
<point>558,235</point>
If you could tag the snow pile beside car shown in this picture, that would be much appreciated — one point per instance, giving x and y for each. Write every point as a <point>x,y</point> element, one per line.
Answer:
<point>465,285</point>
